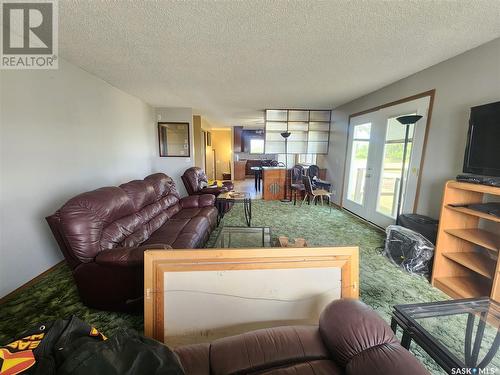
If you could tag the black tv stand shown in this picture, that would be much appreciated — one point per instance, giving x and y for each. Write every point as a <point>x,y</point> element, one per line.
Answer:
<point>478,179</point>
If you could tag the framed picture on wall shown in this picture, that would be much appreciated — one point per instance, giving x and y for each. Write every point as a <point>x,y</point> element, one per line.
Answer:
<point>209,139</point>
<point>173,139</point>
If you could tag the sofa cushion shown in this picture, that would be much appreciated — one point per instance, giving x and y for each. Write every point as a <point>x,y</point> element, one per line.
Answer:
<point>322,367</point>
<point>264,349</point>
<point>84,217</point>
<point>187,213</point>
<point>168,232</point>
<point>163,185</point>
<point>140,192</point>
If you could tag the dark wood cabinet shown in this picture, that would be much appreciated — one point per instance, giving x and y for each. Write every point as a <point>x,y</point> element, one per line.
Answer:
<point>238,139</point>
<point>239,170</point>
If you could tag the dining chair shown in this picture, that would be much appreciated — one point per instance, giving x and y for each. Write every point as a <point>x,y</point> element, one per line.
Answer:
<point>313,193</point>
<point>296,184</point>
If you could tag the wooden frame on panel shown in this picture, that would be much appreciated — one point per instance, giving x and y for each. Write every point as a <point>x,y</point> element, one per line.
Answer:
<point>157,262</point>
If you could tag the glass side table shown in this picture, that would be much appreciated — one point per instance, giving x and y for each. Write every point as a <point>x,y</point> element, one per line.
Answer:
<point>457,334</point>
<point>234,197</point>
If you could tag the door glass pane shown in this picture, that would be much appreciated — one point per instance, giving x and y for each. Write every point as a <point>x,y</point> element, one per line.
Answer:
<point>359,160</point>
<point>390,178</point>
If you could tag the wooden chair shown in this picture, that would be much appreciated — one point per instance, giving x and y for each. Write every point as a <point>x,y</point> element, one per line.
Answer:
<point>296,184</point>
<point>313,193</point>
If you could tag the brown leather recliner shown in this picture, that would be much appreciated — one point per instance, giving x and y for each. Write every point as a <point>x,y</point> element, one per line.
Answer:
<point>351,339</point>
<point>103,234</point>
<point>194,179</point>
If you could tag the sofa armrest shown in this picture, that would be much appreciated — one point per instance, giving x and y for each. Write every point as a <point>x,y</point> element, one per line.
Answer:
<point>126,256</point>
<point>362,342</point>
<point>196,201</point>
<point>213,190</point>
<point>195,359</point>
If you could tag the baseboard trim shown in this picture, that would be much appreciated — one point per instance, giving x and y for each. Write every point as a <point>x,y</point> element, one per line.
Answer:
<point>29,283</point>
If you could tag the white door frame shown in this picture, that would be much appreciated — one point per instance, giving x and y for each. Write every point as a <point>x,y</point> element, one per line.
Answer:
<point>355,207</point>
<point>377,140</point>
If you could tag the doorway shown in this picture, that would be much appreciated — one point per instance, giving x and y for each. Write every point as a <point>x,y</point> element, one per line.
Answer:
<point>375,159</point>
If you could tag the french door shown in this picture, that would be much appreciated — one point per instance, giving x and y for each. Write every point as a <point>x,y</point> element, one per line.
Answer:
<point>375,159</point>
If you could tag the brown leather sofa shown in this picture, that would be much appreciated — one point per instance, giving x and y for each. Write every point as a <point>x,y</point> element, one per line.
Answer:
<point>351,339</point>
<point>103,234</point>
<point>194,178</point>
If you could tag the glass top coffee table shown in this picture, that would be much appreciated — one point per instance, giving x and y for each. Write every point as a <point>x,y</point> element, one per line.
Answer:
<point>457,334</point>
<point>243,237</point>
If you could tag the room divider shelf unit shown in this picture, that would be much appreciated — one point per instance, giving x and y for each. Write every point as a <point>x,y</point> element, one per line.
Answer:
<point>310,131</point>
<point>466,258</point>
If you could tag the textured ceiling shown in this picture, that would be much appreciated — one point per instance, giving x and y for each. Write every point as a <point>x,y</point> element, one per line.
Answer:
<point>231,59</point>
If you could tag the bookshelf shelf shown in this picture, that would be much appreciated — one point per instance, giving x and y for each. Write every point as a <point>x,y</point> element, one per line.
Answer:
<point>479,214</point>
<point>477,262</point>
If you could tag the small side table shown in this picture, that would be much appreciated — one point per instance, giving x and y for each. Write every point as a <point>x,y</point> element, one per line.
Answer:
<point>234,197</point>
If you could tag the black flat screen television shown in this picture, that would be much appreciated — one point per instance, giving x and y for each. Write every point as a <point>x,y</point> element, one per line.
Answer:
<point>482,154</point>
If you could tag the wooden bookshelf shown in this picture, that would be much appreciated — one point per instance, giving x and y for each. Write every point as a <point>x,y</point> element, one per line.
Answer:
<point>466,258</point>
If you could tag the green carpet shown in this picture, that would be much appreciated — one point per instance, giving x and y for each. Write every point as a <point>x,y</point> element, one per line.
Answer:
<point>382,285</point>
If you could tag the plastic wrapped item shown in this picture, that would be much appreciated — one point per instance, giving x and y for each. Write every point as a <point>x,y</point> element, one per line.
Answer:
<point>409,250</point>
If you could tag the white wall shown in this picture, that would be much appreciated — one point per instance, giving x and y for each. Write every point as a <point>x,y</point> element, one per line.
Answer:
<point>174,166</point>
<point>62,132</point>
<point>469,79</point>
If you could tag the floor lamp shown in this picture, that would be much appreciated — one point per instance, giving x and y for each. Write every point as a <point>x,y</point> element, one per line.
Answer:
<point>406,121</point>
<point>286,135</point>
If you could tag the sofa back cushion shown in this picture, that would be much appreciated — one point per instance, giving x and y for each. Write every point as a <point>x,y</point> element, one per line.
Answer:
<point>194,179</point>
<point>123,216</point>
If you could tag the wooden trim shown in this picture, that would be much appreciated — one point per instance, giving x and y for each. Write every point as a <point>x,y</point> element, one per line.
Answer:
<point>431,94</point>
<point>157,262</point>
<point>424,148</point>
<point>29,283</point>
<point>396,102</point>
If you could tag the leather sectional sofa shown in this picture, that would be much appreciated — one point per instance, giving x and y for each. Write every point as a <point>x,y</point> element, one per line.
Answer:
<point>103,235</point>
<point>351,339</point>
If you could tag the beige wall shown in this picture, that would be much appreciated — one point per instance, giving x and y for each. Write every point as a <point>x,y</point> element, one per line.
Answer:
<point>62,132</point>
<point>469,79</point>
<point>222,144</point>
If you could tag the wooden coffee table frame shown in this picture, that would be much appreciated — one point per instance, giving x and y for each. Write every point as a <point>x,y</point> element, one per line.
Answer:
<point>157,262</point>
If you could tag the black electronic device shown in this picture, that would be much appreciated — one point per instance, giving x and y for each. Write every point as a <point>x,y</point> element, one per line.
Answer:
<point>490,208</point>
<point>482,153</point>
<point>477,179</point>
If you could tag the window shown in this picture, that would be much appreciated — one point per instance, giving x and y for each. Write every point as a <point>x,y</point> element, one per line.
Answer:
<point>256,146</point>
<point>307,158</point>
